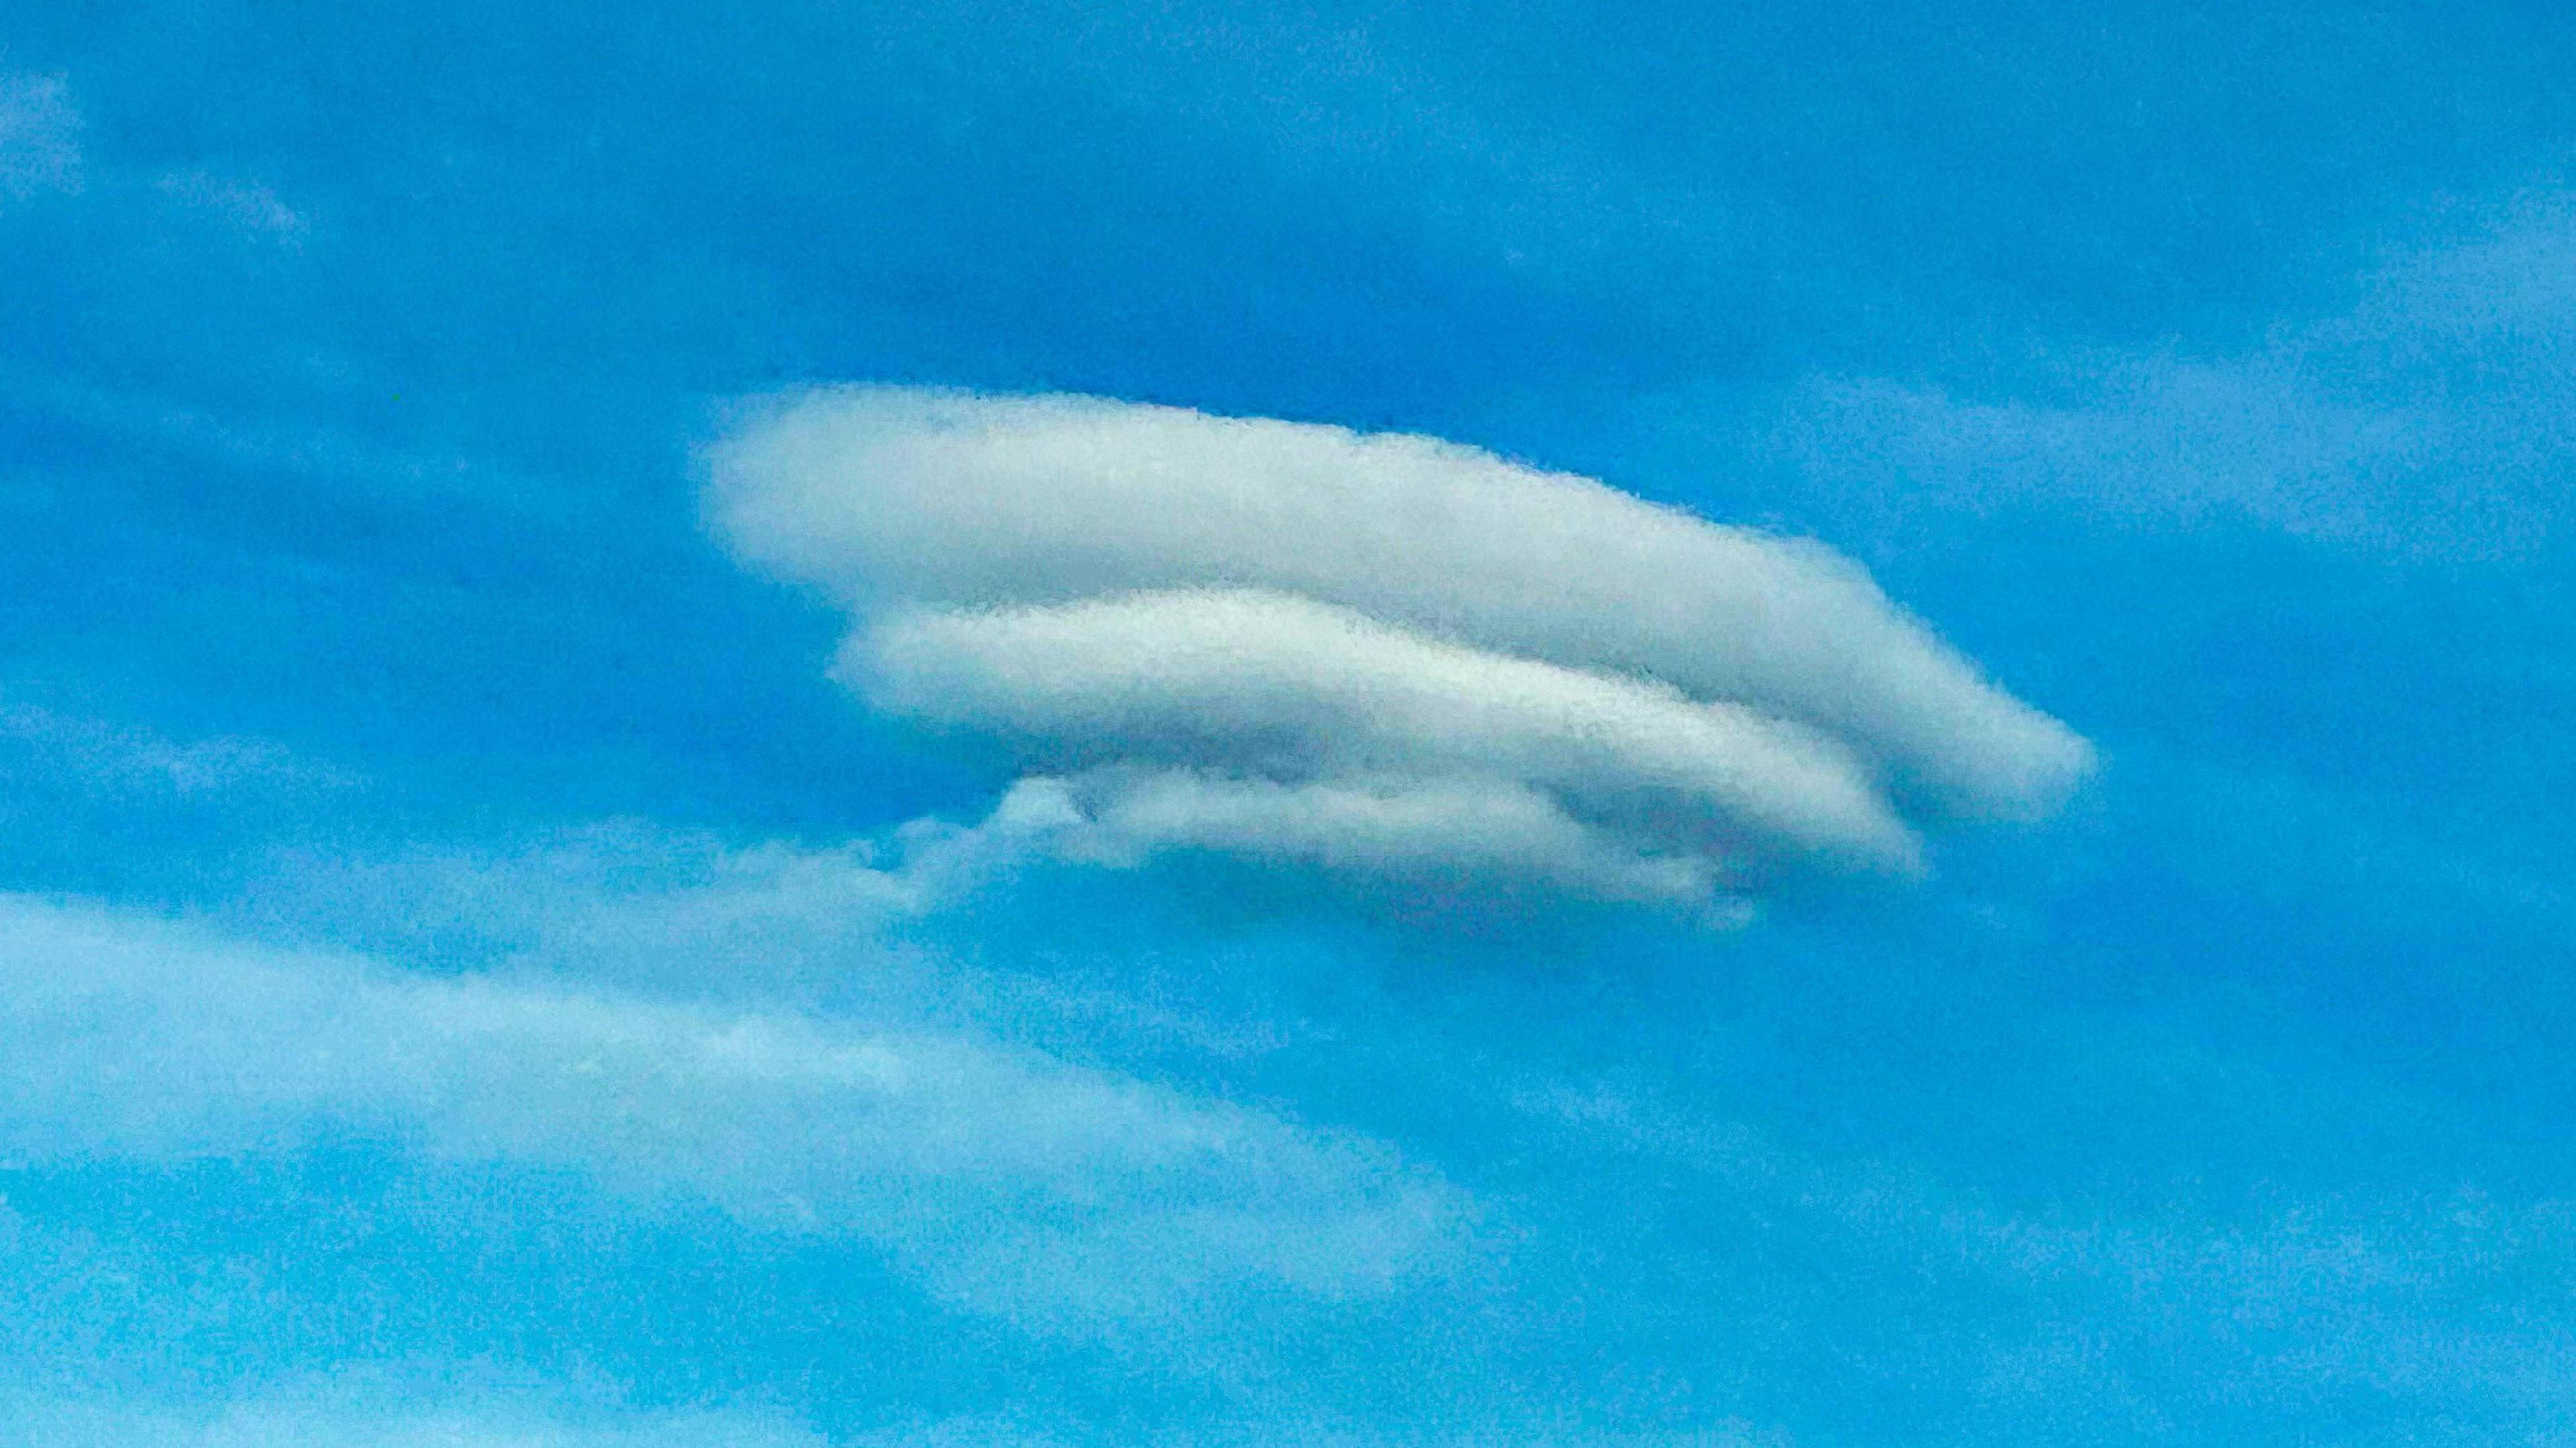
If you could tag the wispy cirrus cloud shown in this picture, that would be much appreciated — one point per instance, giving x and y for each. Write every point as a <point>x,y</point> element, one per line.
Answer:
<point>102,755</point>
<point>2435,416</point>
<point>285,1419</point>
<point>1287,640</point>
<point>1002,1178</point>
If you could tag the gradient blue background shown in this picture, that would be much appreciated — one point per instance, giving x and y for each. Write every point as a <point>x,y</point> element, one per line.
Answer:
<point>2208,373</point>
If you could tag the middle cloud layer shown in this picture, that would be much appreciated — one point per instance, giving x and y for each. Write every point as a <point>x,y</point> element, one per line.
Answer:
<point>1243,682</point>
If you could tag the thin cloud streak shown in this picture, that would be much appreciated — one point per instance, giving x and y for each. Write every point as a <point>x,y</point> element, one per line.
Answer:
<point>2436,418</point>
<point>341,1420</point>
<point>1004,1179</point>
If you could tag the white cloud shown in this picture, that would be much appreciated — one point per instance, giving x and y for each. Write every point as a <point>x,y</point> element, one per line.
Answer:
<point>39,136</point>
<point>1002,1178</point>
<point>1104,584</point>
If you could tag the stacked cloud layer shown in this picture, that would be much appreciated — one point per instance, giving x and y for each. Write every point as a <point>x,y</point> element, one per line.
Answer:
<point>1378,653</point>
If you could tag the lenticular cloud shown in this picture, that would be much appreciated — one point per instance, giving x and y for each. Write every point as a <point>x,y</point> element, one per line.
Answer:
<point>1380,654</point>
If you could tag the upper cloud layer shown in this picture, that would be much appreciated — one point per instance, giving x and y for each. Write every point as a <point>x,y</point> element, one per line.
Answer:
<point>1276,609</point>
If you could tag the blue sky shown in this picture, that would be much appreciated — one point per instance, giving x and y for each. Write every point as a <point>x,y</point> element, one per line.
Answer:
<point>497,949</point>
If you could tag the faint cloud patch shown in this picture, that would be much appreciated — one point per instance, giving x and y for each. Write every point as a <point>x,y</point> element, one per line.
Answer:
<point>2417,1297</point>
<point>2435,417</point>
<point>2162,439</point>
<point>124,759</point>
<point>39,137</point>
<point>246,205</point>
